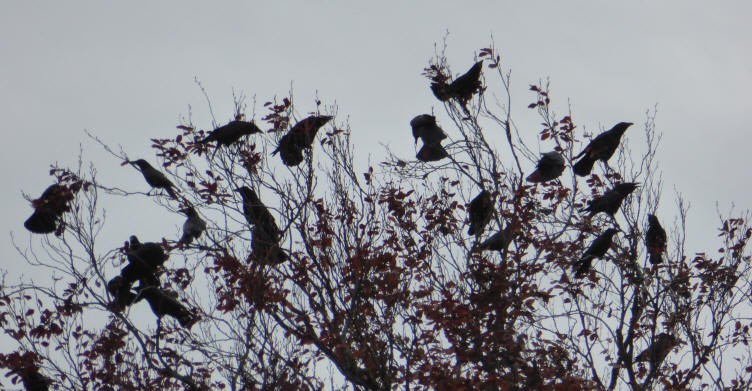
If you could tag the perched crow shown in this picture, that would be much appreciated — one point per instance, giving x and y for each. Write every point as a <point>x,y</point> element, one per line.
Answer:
<point>266,234</point>
<point>550,166</point>
<point>655,240</point>
<point>298,137</point>
<point>193,226</point>
<point>611,200</point>
<point>34,381</point>
<point>48,209</point>
<point>600,148</point>
<point>154,178</point>
<point>163,304</point>
<point>462,88</point>
<point>143,262</point>
<point>424,127</point>
<point>121,292</point>
<point>265,247</point>
<point>466,85</point>
<point>658,350</point>
<point>500,240</point>
<point>431,153</point>
<point>257,214</point>
<point>233,131</point>
<point>597,249</point>
<point>480,210</point>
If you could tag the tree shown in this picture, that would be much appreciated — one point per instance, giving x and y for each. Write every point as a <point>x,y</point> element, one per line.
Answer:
<point>381,281</point>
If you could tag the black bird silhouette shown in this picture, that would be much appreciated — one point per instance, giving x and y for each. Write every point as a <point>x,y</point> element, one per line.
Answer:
<point>121,292</point>
<point>611,200</point>
<point>233,131</point>
<point>431,153</point>
<point>480,210</point>
<point>257,214</point>
<point>162,304</point>
<point>597,249</point>
<point>266,233</point>
<point>48,209</point>
<point>265,247</point>
<point>154,178</point>
<point>462,88</point>
<point>658,350</point>
<point>655,240</point>
<point>424,127</point>
<point>193,226</point>
<point>550,166</point>
<point>602,147</point>
<point>500,240</point>
<point>34,381</point>
<point>143,263</point>
<point>300,136</point>
<point>228,134</point>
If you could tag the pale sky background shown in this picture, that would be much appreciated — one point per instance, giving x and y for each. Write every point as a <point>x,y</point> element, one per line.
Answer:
<point>126,72</point>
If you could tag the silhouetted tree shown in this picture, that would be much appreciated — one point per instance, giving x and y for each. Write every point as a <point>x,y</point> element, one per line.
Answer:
<point>365,271</point>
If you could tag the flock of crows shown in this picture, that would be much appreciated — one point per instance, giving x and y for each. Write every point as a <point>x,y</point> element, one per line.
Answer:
<point>145,259</point>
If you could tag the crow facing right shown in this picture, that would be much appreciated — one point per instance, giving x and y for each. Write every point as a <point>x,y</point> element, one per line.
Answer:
<point>597,249</point>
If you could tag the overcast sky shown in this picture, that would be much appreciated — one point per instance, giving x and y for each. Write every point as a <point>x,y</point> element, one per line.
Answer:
<point>126,71</point>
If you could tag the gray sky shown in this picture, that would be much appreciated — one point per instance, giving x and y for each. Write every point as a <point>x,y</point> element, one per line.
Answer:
<point>125,71</point>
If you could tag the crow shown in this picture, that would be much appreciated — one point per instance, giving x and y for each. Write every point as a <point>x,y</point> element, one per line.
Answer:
<point>602,147</point>
<point>154,178</point>
<point>143,263</point>
<point>162,304</point>
<point>658,350</point>
<point>193,226</point>
<point>500,240</point>
<point>230,133</point>
<point>424,127</point>
<point>480,210</point>
<point>48,209</point>
<point>300,136</point>
<point>655,240</point>
<point>233,131</point>
<point>257,214</point>
<point>611,200</point>
<point>467,84</point>
<point>34,381</point>
<point>597,249</point>
<point>123,296</point>
<point>431,153</point>
<point>550,166</point>
<point>265,247</point>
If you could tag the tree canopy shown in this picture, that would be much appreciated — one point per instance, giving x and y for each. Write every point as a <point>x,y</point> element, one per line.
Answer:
<point>480,263</point>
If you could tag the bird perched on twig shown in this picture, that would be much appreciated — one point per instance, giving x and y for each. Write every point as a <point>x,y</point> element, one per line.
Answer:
<point>154,178</point>
<point>602,147</point>
<point>462,88</point>
<point>658,350</point>
<point>550,166</point>
<point>48,209</point>
<point>611,200</point>
<point>34,381</point>
<point>230,133</point>
<point>193,226</point>
<point>431,153</point>
<point>300,136</point>
<point>163,304</point>
<point>425,128</point>
<point>655,240</point>
<point>121,292</point>
<point>480,210</point>
<point>266,234</point>
<point>143,263</point>
<point>597,249</point>
<point>500,240</point>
